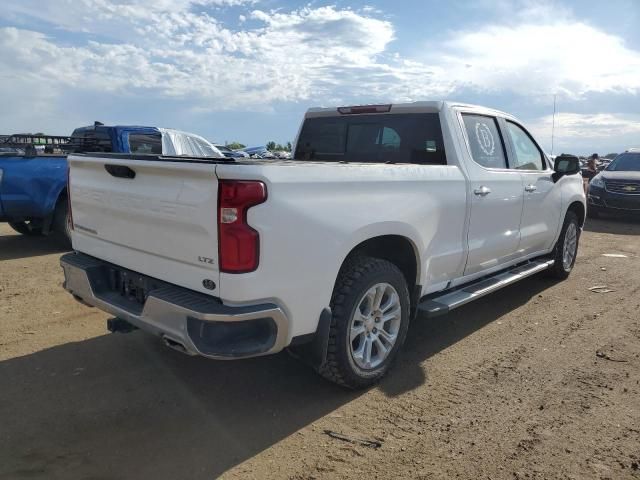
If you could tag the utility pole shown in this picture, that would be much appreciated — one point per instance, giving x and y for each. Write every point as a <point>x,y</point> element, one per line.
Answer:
<point>553,122</point>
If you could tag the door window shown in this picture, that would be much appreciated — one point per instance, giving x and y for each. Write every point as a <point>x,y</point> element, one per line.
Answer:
<point>142,143</point>
<point>485,141</point>
<point>527,154</point>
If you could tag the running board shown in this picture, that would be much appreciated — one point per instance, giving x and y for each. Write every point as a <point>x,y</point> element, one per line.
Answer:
<point>451,299</point>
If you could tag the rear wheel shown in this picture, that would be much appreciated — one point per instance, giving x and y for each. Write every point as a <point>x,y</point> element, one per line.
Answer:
<point>27,228</point>
<point>371,309</point>
<point>566,249</point>
<point>62,223</point>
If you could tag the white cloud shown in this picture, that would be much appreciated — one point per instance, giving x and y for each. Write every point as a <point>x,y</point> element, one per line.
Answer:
<point>292,56</point>
<point>590,126</point>
<point>542,59</point>
<point>583,133</point>
<point>323,54</point>
<point>181,49</point>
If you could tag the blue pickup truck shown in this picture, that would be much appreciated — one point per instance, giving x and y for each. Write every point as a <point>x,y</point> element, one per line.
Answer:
<point>33,169</point>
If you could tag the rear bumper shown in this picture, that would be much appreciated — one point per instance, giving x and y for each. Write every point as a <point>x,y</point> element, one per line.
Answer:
<point>195,323</point>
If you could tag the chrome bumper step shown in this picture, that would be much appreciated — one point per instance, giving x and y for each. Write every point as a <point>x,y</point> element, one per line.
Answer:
<point>447,301</point>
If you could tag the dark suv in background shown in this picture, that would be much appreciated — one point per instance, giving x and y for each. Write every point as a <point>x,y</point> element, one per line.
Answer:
<point>616,189</point>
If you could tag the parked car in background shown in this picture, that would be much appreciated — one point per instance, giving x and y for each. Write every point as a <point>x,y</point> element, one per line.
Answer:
<point>143,140</point>
<point>227,152</point>
<point>258,152</point>
<point>17,151</point>
<point>33,169</point>
<point>616,189</point>
<point>281,154</point>
<point>603,163</point>
<point>384,210</point>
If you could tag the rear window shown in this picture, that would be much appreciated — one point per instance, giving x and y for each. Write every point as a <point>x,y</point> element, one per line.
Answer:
<point>92,140</point>
<point>145,143</point>
<point>381,138</point>
<point>626,162</point>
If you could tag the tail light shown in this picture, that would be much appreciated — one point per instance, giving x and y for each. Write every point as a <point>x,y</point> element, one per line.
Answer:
<point>69,197</point>
<point>238,243</point>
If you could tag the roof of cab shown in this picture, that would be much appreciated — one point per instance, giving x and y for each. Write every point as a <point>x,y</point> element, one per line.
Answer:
<point>432,106</point>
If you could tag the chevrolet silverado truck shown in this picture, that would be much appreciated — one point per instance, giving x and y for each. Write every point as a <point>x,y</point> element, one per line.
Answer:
<point>383,212</point>
<point>33,169</point>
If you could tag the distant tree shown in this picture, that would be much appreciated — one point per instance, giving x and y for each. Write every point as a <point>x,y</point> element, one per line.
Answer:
<point>39,133</point>
<point>235,145</point>
<point>288,148</point>
<point>271,146</point>
<point>611,155</point>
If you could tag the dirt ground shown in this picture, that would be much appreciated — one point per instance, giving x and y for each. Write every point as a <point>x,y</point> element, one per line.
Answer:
<point>541,380</point>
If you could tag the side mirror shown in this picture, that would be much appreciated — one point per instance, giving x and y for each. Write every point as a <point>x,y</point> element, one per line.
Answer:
<point>565,165</point>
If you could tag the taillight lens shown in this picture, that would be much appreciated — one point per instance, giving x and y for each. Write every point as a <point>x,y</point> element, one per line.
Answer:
<point>238,243</point>
<point>69,197</point>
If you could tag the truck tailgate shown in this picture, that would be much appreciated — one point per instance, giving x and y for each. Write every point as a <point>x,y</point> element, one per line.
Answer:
<point>156,217</point>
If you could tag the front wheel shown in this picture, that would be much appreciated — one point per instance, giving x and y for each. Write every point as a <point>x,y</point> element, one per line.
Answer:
<point>371,309</point>
<point>566,249</point>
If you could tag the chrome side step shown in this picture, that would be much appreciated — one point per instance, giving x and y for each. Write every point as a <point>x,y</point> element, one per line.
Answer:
<point>451,299</point>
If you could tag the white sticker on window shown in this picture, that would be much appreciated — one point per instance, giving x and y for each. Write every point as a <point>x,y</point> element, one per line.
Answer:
<point>485,138</point>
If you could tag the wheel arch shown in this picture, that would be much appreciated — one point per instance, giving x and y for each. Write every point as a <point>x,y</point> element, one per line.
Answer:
<point>579,210</point>
<point>397,249</point>
<point>57,193</point>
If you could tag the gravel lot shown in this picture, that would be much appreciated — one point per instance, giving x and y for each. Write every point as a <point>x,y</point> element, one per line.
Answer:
<point>538,381</point>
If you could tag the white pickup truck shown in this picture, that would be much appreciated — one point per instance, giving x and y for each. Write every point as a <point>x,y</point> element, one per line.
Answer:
<point>384,211</point>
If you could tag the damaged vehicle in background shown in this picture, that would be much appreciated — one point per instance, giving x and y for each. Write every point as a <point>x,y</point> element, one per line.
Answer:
<point>33,169</point>
<point>259,152</point>
<point>227,152</point>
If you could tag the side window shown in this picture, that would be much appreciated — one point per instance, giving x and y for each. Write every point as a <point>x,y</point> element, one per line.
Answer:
<point>145,143</point>
<point>390,138</point>
<point>527,154</point>
<point>485,141</point>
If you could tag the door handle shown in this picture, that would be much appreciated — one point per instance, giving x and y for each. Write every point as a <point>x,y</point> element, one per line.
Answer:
<point>482,191</point>
<point>120,171</point>
<point>530,188</point>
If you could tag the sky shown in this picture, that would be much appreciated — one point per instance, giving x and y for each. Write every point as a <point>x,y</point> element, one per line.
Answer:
<point>246,70</point>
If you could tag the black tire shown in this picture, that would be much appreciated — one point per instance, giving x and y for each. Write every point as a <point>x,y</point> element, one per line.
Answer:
<point>559,269</point>
<point>62,223</point>
<point>26,228</point>
<point>356,278</point>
